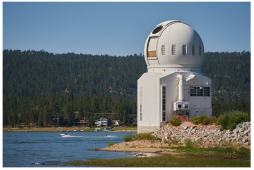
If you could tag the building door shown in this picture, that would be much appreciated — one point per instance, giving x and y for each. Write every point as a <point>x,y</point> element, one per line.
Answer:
<point>152,44</point>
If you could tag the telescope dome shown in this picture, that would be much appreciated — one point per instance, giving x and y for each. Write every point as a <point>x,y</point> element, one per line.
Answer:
<point>174,44</point>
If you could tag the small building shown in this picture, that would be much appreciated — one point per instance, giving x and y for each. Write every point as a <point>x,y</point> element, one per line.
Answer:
<point>115,122</point>
<point>80,122</point>
<point>101,122</point>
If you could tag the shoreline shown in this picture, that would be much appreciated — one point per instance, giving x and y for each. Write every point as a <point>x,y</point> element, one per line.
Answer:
<point>63,129</point>
<point>195,156</point>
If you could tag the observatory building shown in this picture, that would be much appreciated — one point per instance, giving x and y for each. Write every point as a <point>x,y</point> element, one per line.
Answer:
<point>173,83</point>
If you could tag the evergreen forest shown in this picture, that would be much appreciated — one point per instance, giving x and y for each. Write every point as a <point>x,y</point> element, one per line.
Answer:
<point>39,86</point>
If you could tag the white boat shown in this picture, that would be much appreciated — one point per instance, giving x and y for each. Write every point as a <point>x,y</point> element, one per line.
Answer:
<point>97,130</point>
<point>140,155</point>
<point>64,135</point>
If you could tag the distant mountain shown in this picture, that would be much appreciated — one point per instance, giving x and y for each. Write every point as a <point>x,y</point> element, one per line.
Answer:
<point>40,73</point>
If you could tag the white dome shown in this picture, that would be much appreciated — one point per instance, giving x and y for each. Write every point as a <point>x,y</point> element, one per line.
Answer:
<point>174,44</point>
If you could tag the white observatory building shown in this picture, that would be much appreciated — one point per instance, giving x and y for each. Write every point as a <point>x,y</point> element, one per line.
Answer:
<point>173,83</point>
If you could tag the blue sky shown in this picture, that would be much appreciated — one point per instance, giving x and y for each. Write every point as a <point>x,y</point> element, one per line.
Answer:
<point>120,28</point>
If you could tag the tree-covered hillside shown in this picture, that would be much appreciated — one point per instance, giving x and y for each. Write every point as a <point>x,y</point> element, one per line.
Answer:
<point>40,73</point>
<point>230,74</point>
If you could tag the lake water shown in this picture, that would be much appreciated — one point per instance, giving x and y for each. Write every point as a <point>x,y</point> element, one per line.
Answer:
<point>27,149</point>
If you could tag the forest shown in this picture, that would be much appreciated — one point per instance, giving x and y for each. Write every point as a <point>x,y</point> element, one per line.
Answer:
<point>41,111</point>
<point>39,86</point>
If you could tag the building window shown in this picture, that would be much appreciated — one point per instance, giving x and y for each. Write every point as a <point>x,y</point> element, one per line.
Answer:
<point>140,104</point>
<point>163,50</point>
<point>199,91</point>
<point>186,106</point>
<point>173,49</point>
<point>206,91</point>
<point>193,50</point>
<point>193,91</point>
<point>184,50</point>
<point>199,50</point>
<point>163,103</point>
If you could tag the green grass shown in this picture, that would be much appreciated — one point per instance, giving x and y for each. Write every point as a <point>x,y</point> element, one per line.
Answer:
<point>189,156</point>
<point>215,150</point>
<point>125,128</point>
<point>188,143</point>
<point>140,136</point>
<point>168,161</point>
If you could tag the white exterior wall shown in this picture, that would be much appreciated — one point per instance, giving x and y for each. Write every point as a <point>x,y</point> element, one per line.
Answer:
<point>202,104</point>
<point>151,99</point>
<point>163,71</point>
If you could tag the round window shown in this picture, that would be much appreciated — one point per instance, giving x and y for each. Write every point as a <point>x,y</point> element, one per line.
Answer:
<point>156,30</point>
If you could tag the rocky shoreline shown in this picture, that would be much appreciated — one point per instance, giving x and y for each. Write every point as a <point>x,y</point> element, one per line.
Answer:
<point>204,136</point>
<point>207,134</point>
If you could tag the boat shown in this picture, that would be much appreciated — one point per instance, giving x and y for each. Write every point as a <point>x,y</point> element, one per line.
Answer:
<point>97,129</point>
<point>140,155</point>
<point>107,129</point>
<point>65,135</point>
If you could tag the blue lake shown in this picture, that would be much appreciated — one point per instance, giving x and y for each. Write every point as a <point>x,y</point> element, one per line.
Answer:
<point>27,149</point>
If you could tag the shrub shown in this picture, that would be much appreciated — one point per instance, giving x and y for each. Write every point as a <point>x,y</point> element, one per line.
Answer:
<point>188,143</point>
<point>229,119</point>
<point>206,120</point>
<point>129,137</point>
<point>195,120</point>
<point>111,143</point>
<point>20,127</point>
<point>199,141</point>
<point>145,136</point>
<point>29,126</point>
<point>202,119</point>
<point>140,136</point>
<point>165,141</point>
<point>175,141</point>
<point>175,121</point>
<point>213,119</point>
<point>223,120</point>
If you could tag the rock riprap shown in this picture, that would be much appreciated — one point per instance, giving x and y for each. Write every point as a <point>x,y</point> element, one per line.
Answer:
<point>207,133</point>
